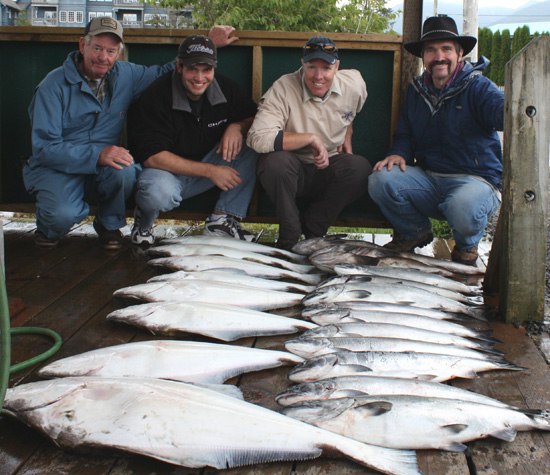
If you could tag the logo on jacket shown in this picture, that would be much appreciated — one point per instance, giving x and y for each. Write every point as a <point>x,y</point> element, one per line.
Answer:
<point>348,116</point>
<point>215,124</point>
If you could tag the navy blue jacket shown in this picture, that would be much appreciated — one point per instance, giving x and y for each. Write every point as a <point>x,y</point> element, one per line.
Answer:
<point>457,131</point>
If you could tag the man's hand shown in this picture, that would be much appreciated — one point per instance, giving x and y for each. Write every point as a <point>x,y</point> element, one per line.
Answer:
<point>390,161</point>
<point>320,153</point>
<point>346,146</point>
<point>225,178</point>
<point>219,34</point>
<point>115,157</point>
<point>231,142</point>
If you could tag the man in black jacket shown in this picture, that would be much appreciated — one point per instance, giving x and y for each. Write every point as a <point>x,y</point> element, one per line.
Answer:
<point>187,130</point>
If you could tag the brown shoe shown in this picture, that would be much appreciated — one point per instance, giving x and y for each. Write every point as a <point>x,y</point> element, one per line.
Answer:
<point>41,240</point>
<point>468,258</point>
<point>401,244</point>
<point>109,239</point>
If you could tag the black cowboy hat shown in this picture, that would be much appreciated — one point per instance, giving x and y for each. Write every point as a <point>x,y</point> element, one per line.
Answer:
<point>437,28</point>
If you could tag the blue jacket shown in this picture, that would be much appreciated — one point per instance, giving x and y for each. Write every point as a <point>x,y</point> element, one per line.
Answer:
<point>457,131</point>
<point>70,126</point>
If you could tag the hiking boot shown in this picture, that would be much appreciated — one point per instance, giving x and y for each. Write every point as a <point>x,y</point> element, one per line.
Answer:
<point>398,243</point>
<point>468,257</point>
<point>109,239</point>
<point>226,226</point>
<point>140,236</point>
<point>41,240</point>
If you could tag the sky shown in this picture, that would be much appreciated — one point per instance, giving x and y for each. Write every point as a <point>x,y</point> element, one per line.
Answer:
<point>481,3</point>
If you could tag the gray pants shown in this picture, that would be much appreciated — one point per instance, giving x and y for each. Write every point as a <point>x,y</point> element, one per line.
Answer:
<point>308,200</point>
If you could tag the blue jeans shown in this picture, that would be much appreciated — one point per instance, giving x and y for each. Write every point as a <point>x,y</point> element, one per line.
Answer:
<point>159,190</point>
<point>408,199</point>
<point>62,199</point>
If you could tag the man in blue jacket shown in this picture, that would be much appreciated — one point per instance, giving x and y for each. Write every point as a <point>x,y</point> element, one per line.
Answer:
<point>446,160</point>
<point>77,116</point>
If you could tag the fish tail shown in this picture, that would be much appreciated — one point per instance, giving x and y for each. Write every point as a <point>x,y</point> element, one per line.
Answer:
<point>540,418</point>
<point>391,461</point>
<point>479,313</point>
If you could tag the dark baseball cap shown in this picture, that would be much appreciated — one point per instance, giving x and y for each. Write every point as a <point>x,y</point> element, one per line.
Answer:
<point>104,24</point>
<point>197,49</point>
<point>320,47</point>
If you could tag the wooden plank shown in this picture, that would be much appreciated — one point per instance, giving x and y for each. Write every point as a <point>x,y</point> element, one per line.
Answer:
<point>525,183</point>
<point>529,453</point>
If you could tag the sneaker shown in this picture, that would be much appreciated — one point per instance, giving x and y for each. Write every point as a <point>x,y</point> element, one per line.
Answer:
<point>226,226</point>
<point>140,236</point>
<point>110,239</point>
<point>400,244</point>
<point>468,258</point>
<point>41,240</point>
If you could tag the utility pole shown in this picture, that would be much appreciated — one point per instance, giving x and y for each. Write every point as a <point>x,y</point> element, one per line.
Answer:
<point>435,8</point>
<point>470,24</point>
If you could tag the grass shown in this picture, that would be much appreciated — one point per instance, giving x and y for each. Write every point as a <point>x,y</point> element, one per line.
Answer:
<point>270,231</point>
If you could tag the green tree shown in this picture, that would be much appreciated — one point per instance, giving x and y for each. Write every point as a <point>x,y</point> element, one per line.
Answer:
<point>505,52</point>
<point>355,16</point>
<point>485,46</point>
<point>495,60</point>
<point>516,41</point>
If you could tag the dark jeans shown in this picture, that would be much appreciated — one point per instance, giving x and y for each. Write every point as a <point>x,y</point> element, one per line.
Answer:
<point>308,200</point>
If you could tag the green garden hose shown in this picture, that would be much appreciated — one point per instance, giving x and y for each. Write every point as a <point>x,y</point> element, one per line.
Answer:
<point>5,342</point>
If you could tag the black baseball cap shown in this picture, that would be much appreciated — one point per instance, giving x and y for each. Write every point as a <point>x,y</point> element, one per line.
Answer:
<point>320,47</point>
<point>197,49</point>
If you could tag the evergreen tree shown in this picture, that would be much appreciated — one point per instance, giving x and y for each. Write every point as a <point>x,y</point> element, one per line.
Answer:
<point>505,52</point>
<point>485,47</point>
<point>516,41</point>
<point>495,60</point>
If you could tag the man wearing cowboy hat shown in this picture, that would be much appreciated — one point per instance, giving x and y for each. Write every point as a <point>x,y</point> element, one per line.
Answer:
<point>446,160</point>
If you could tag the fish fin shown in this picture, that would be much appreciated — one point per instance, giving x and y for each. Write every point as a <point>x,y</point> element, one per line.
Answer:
<point>351,393</point>
<point>357,368</point>
<point>505,434</point>
<point>426,377</point>
<point>377,408</point>
<point>453,447</point>
<point>226,389</point>
<point>455,428</point>
<point>230,457</point>
<point>359,294</point>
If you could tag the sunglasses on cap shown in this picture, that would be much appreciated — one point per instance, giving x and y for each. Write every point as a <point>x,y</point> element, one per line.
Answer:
<point>328,48</point>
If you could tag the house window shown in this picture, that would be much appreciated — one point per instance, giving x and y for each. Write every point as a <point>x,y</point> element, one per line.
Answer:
<point>163,18</point>
<point>71,17</point>
<point>129,18</point>
<point>92,15</point>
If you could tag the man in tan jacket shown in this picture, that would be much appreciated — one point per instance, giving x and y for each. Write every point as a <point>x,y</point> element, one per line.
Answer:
<point>303,130</point>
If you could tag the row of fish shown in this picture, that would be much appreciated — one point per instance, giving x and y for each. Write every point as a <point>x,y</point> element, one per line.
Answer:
<point>350,363</point>
<point>387,338</point>
<point>174,421</point>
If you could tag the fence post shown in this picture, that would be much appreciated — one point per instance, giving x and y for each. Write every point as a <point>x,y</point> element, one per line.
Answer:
<point>525,184</point>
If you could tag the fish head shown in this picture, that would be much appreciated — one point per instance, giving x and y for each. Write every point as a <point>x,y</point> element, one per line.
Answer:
<point>322,295</point>
<point>306,392</point>
<point>317,411</point>
<point>307,347</point>
<point>31,396</point>
<point>309,246</point>
<point>325,331</point>
<point>313,309</point>
<point>314,369</point>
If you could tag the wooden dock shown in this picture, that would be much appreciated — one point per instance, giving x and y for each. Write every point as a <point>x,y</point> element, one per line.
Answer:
<point>69,289</point>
